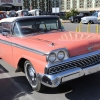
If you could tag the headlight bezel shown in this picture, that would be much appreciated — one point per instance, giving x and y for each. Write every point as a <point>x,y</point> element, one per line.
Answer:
<point>50,55</point>
<point>58,55</point>
<point>56,52</point>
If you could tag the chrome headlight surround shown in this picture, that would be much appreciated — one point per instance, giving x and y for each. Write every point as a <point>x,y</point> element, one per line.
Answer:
<point>60,54</point>
<point>52,57</point>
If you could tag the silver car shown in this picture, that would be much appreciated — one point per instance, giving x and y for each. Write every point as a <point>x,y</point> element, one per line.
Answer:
<point>90,19</point>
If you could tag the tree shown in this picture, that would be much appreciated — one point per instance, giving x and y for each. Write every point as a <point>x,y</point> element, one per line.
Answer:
<point>72,12</point>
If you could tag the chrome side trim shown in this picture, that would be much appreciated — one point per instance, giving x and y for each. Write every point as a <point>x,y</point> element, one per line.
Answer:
<point>22,47</point>
<point>5,42</point>
<point>28,49</point>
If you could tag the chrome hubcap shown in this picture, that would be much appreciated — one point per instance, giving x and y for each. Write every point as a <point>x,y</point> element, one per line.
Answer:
<point>32,76</point>
<point>31,72</point>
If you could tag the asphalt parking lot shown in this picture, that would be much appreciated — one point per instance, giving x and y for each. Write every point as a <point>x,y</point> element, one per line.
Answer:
<point>72,27</point>
<point>14,86</point>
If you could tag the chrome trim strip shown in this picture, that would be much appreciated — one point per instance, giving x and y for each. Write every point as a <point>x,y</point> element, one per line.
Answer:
<point>22,47</point>
<point>5,42</point>
<point>29,49</point>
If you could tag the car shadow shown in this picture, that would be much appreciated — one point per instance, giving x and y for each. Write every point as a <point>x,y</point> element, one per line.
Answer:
<point>14,88</point>
<point>85,88</point>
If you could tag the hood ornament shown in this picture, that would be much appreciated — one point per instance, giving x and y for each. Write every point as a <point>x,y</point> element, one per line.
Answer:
<point>52,44</point>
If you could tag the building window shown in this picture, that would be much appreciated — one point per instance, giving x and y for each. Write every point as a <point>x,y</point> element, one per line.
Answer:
<point>81,3</point>
<point>97,3</point>
<point>74,2</point>
<point>89,3</point>
<point>68,4</point>
<point>62,3</point>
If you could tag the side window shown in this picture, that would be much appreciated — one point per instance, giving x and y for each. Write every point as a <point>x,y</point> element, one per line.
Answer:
<point>6,27</point>
<point>15,30</point>
<point>1,16</point>
<point>42,25</point>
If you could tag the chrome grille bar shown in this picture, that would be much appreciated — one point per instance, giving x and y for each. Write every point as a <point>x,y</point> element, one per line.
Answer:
<point>82,63</point>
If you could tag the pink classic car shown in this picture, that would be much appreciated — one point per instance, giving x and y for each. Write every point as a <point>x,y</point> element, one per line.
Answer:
<point>49,55</point>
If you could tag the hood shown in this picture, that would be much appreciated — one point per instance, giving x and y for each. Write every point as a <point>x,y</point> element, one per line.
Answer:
<point>75,43</point>
<point>88,17</point>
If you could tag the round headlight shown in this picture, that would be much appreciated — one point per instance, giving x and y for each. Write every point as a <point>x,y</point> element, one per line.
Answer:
<point>52,57</point>
<point>61,55</point>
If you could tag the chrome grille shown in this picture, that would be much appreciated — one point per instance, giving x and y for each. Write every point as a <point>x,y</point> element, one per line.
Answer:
<point>82,63</point>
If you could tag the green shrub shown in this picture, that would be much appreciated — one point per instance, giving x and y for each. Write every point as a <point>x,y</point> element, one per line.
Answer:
<point>72,12</point>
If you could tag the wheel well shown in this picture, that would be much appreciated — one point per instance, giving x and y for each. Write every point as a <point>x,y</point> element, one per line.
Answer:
<point>91,21</point>
<point>20,66</point>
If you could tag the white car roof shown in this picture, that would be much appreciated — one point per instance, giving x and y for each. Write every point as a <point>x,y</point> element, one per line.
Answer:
<point>18,11</point>
<point>10,19</point>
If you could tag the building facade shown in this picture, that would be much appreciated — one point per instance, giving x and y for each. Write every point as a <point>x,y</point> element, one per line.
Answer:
<point>81,5</point>
<point>45,5</point>
<point>7,5</point>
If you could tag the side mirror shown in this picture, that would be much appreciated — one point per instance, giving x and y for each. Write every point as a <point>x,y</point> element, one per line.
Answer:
<point>7,34</point>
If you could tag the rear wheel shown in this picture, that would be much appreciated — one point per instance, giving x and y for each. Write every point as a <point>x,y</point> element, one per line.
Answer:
<point>76,21</point>
<point>32,77</point>
<point>72,21</point>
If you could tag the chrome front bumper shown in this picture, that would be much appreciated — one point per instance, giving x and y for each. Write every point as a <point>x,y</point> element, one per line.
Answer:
<point>50,80</point>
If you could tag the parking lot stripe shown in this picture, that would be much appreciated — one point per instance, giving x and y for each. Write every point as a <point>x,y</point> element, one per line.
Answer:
<point>26,96</point>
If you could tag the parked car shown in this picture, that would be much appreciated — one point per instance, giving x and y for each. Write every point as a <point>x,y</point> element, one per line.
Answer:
<point>22,13</point>
<point>2,15</point>
<point>49,55</point>
<point>77,19</point>
<point>12,14</point>
<point>90,19</point>
<point>35,12</point>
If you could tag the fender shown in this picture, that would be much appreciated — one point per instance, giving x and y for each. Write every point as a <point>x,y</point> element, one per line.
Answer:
<point>39,65</point>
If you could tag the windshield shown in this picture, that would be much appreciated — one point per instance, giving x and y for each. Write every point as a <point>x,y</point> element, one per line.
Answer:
<point>80,14</point>
<point>25,13</point>
<point>36,26</point>
<point>95,14</point>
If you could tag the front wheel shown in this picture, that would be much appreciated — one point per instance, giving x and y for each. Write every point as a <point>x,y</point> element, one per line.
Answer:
<point>91,22</point>
<point>32,77</point>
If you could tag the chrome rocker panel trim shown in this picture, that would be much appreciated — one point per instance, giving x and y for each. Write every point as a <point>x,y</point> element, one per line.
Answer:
<point>48,80</point>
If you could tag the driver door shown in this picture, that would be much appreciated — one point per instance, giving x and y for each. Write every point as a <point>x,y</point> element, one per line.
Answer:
<point>6,43</point>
